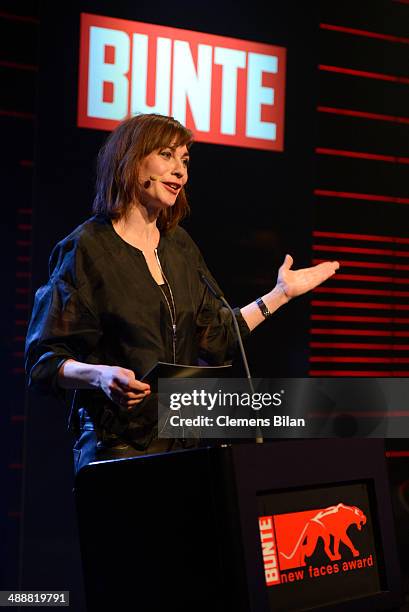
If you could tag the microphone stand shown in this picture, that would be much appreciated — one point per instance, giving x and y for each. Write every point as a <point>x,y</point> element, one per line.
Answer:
<point>217,294</point>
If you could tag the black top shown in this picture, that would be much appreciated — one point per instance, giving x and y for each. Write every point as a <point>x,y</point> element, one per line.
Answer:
<point>169,297</point>
<point>101,305</point>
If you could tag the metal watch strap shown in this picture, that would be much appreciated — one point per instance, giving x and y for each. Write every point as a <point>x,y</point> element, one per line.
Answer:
<point>264,310</point>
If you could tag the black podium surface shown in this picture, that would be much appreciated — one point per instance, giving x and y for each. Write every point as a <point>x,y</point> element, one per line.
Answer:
<point>284,526</point>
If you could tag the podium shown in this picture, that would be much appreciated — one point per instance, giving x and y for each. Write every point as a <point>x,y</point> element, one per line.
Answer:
<point>208,529</point>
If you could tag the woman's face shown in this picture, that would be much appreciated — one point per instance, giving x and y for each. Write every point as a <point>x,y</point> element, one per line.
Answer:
<point>162,174</point>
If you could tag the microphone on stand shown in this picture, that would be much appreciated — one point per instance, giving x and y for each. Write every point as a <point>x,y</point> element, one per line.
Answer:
<point>219,295</point>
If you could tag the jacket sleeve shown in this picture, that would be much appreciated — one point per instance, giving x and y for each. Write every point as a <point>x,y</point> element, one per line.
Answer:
<point>62,327</point>
<point>216,330</point>
<point>217,333</point>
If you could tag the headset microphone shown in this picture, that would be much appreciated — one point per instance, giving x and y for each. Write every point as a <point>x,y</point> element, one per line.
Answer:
<point>152,177</point>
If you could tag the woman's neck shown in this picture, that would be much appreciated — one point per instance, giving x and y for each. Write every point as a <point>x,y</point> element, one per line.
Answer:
<point>138,228</point>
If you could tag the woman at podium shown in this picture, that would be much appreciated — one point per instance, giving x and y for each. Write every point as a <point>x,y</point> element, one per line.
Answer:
<point>126,291</point>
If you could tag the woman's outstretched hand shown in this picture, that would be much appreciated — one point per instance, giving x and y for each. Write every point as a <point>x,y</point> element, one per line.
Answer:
<point>297,282</point>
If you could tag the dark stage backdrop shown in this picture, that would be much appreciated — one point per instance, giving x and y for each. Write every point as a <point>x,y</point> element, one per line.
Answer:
<point>249,207</point>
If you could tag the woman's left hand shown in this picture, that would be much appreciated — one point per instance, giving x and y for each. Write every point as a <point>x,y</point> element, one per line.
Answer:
<point>297,282</point>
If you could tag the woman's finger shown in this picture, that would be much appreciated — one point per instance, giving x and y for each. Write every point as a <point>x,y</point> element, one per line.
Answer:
<point>122,400</point>
<point>130,395</point>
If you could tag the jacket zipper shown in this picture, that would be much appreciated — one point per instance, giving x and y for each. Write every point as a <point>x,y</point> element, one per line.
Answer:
<point>172,311</point>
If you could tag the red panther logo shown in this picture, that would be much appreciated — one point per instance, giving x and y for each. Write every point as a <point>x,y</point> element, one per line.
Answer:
<point>332,521</point>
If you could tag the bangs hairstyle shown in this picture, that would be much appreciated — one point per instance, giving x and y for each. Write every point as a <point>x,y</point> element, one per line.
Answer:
<point>119,161</point>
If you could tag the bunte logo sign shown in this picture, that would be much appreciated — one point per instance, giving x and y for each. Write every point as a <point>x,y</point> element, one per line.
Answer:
<point>288,541</point>
<point>227,90</point>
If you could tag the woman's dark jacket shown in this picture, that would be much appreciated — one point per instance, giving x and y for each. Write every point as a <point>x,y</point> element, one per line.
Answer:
<point>102,306</point>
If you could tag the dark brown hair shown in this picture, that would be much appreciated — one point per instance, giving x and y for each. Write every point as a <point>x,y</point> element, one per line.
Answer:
<point>118,165</point>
